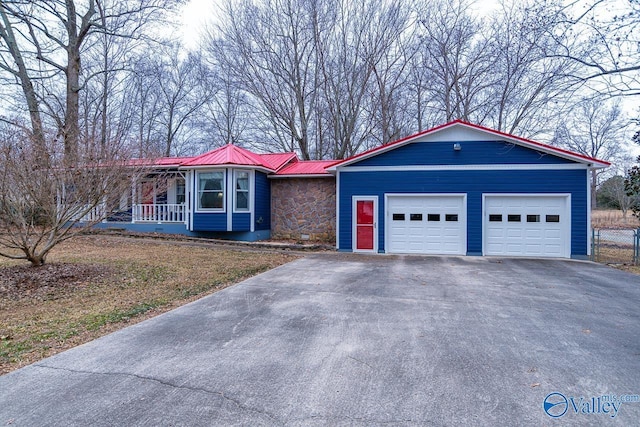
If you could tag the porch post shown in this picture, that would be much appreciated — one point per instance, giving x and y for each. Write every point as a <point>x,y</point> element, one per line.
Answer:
<point>187,197</point>
<point>133,200</point>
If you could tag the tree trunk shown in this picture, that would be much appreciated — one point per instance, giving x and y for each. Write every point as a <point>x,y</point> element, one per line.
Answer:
<point>36,260</point>
<point>76,36</point>
<point>37,132</point>
<point>71,117</point>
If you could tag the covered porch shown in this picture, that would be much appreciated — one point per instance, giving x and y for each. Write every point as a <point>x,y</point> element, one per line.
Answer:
<point>156,198</point>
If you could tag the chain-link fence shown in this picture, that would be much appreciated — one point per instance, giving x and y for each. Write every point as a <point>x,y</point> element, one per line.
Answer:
<point>615,246</point>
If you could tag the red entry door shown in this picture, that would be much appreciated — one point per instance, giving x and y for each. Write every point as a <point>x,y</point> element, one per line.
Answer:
<point>365,227</point>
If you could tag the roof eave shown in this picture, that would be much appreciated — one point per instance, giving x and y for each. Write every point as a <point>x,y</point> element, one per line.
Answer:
<point>592,163</point>
<point>301,175</point>
<point>227,165</point>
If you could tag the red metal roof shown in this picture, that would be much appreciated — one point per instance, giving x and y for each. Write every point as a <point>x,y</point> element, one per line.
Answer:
<point>520,140</point>
<point>229,155</point>
<point>278,160</point>
<point>160,161</point>
<point>306,167</point>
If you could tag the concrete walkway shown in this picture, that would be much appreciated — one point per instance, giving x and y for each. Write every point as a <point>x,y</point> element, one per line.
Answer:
<point>356,340</point>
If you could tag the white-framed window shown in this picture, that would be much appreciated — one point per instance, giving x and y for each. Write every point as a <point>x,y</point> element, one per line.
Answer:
<point>211,191</point>
<point>242,199</point>
<point>180,191</point>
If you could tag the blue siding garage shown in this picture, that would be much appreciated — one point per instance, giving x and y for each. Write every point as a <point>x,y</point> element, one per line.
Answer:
<point>506,196</point>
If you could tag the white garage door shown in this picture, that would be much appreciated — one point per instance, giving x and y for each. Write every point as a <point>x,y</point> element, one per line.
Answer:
<point>531,225</point>
<point>426,224</point>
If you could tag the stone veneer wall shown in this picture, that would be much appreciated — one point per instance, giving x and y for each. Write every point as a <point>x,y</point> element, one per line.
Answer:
<point>302,207</point>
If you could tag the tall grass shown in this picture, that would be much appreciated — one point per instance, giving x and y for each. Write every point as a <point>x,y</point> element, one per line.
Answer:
<point>611,218</point>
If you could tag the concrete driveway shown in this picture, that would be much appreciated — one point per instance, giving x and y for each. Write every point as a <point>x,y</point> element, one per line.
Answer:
<point>359,340</point>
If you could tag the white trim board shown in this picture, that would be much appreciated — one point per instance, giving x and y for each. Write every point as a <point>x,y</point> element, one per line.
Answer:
<point>483,167</point>
<point>228,195</point>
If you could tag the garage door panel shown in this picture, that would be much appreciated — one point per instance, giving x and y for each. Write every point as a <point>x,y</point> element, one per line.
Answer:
<point>429,232</point>
<point>530,234</point>
<point>526,225</point>
<point>513,233</point>
<point>552,234</point>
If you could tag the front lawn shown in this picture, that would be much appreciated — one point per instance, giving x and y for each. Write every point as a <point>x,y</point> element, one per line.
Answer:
<point>95,285</point>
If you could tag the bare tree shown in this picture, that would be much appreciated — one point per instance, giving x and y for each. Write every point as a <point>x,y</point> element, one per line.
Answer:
<point>363,54</point>
<point>44,41</point>
<point>527,82</point>
<point>333,78</point>
<point>269,48</point>
<point>143,91</point>
<point>458,57</point>
<point>182,94</point>
<point>601,37</point>
<point>595,129</point>
<point>41,207</point>
<point>228,110</point>
<point>613,192</point>
<point>325,76</point>
<point>63,168</point>
<point>14,63</point>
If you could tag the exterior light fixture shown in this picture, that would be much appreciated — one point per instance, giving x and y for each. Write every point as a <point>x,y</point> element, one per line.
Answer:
<point>457,146</point>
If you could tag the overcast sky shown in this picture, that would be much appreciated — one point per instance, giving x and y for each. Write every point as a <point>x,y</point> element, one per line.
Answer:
<point>195,15</point>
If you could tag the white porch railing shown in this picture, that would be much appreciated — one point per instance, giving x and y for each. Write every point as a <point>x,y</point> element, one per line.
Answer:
<point>159,213</point>
<point>83,213</point>
<point>96,214</point>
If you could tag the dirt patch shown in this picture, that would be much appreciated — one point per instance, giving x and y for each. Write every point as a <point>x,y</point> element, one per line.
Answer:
<point>50,281</point>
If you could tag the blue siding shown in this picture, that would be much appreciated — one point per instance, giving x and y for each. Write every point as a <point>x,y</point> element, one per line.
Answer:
<point>145,227</point>
<point>473,183</point>
<point>262,202</point>
<point>210,221</point>
<point>241,222</point>
<point>473,152</point>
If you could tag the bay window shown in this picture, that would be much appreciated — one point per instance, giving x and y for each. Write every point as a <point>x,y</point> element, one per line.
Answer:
<point>211,190</point>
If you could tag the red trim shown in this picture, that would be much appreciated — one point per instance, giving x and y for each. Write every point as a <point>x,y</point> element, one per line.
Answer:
<point>161,161</point>
<point>306,167</point>
<point>393,144</point>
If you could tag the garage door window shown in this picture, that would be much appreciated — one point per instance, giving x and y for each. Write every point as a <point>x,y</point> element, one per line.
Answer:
<point>415,217</point>
<point>513,218</point>
<point>495,218</point>
<point>451,217</point>
<point>553,218</point>
<point>533,218</point>
<point>433,217</point>
<point>398,217</point>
